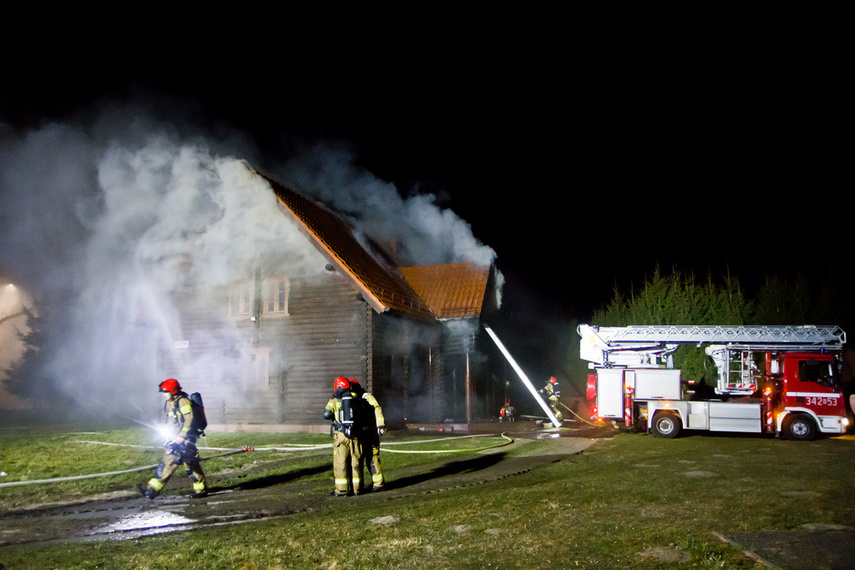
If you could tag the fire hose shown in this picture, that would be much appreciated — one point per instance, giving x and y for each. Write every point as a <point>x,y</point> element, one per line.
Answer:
<point>109,473</point>
<point>578,416</point>
<point>504,436</point>
<point>293,447</point>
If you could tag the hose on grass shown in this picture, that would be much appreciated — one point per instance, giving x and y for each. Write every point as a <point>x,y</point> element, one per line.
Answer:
<point>293,447</point>
<point>110,473</point>
<point>504,436</point>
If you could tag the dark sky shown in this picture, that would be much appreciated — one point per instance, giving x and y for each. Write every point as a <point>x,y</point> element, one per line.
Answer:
<point>582,154</point>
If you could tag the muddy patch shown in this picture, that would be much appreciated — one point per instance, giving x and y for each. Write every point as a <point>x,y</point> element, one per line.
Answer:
<point>800,494</point>
<point>700,474</point>
<point>666,554</point>
<point>815,546</point>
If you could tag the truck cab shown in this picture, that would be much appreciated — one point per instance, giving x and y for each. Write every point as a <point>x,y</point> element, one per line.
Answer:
<point>811,398</point>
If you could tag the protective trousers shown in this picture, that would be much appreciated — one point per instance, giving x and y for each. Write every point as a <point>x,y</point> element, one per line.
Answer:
<point>553,403</point>
<point>189,457</point>
<point>347,464</point>
<point>371,443</point>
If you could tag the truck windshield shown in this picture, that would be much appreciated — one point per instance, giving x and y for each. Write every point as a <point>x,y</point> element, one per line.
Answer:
<point>821,372</point>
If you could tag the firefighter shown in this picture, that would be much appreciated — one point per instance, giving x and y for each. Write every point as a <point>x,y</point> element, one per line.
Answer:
<point>374,425</point>
<point>553,392</point>
<point>181,450</point>
<point>508,412</point>
<point>342,411</point>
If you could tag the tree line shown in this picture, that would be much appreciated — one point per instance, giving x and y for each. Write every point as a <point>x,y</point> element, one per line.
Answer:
<point>680,298</point>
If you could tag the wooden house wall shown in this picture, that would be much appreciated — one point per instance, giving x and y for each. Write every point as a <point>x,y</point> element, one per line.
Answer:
<point>402,369</point>
<point>470,389</point>
<point>323,336</point>
<point>418,371</point>
<point>421,372</point>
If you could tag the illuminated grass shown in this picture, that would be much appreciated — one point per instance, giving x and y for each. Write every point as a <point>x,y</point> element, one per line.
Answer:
<point>626,502</point>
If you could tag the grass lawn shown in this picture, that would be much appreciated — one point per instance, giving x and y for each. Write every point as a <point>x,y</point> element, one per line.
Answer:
<point>632,501</point>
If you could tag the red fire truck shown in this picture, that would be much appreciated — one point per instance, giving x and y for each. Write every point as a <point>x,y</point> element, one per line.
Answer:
<point>770,379</point>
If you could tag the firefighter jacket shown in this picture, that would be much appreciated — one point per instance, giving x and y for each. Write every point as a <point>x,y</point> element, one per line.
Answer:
<point>373,413</point>
<point>379,420</point>
<point>551,390</point>
<point>180,409</point>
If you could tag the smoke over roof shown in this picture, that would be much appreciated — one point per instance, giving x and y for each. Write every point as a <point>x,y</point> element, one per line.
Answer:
<point>96,221</point>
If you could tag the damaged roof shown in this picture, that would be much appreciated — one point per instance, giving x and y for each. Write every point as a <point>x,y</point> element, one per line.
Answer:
<point>452,290</point>
<point>381,284</point>
<point>448,291</point>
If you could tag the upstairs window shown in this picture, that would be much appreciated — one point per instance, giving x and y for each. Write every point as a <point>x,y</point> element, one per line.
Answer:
<point>276,292</point>
<point>241,299</point>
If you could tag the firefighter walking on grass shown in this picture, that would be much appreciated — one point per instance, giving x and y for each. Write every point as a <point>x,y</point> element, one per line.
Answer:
<point>373,426</point>
<point>181,450</point>
<point>553,393</point>
<point>342,411</point>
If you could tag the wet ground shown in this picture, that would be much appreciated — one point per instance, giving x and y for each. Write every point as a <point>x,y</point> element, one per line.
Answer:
<point>127,515</point>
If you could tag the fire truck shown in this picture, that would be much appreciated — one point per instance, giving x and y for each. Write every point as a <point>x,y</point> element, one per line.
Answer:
<point>770,379</point>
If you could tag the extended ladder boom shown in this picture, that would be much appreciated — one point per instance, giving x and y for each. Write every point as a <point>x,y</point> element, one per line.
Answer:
<point>819,336</point>
<point>610,346</point>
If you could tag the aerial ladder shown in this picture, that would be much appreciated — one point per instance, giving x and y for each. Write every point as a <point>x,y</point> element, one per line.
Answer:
<point>786,378</point>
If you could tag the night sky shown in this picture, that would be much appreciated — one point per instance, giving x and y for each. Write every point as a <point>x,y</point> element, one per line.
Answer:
<point>583,154</point>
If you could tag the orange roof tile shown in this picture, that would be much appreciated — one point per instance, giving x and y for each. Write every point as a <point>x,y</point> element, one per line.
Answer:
<point>381,284</point>
<point>453,290</point>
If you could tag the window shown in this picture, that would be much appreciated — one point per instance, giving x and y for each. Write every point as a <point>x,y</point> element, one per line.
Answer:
<point>241,300</point>
<point>259,299</point>
<point>821,372</point>
<point>276,292</point>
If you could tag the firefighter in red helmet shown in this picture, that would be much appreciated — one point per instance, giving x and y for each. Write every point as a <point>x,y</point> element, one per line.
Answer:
<point>342,411</point>
<point>181,450</point>
<point>553,392</point>
<point>373,426</point>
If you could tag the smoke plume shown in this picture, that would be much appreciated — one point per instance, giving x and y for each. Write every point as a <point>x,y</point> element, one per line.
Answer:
<point>111,222</point>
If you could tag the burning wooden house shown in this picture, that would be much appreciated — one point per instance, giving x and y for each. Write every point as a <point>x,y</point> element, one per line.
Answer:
<point>410,335</point>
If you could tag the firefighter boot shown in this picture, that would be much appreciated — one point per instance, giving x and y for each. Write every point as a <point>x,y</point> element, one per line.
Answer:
<point>146,491</point>
<point>200,487</point>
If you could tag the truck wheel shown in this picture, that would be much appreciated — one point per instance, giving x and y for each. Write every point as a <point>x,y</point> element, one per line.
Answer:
<point>666,425</point>
<point>799,427</point>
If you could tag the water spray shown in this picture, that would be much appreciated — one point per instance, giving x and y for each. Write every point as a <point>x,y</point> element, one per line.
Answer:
<point>523,377</point>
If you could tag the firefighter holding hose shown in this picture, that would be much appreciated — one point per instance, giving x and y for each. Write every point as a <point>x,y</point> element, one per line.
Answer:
<point>342,411</point>
<point>373,426</point>
<point>553,392</point>
<point>181,450</point>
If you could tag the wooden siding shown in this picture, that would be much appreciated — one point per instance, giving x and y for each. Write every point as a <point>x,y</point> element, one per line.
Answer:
<point>418,371</point>
<point>326,338</point>
<point>323,336</point>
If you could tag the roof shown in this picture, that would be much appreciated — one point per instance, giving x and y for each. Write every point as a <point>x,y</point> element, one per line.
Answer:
<point>453,290</point>
<point>380,283</point>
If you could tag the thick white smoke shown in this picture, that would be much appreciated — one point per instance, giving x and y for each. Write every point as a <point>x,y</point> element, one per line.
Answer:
<point>108,225</point>
<point>424,233</point>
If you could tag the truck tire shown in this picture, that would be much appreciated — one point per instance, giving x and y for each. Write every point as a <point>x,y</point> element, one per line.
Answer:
<point>666,425</point>
<point>799,427</point>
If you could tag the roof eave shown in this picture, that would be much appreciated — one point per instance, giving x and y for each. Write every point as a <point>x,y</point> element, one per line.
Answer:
<point>334,260</point>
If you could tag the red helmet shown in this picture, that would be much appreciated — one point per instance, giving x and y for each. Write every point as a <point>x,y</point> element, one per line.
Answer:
<point>353,381</point>
<point>341,382</point>
<point>170,385</point>
<point>553,380</point>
